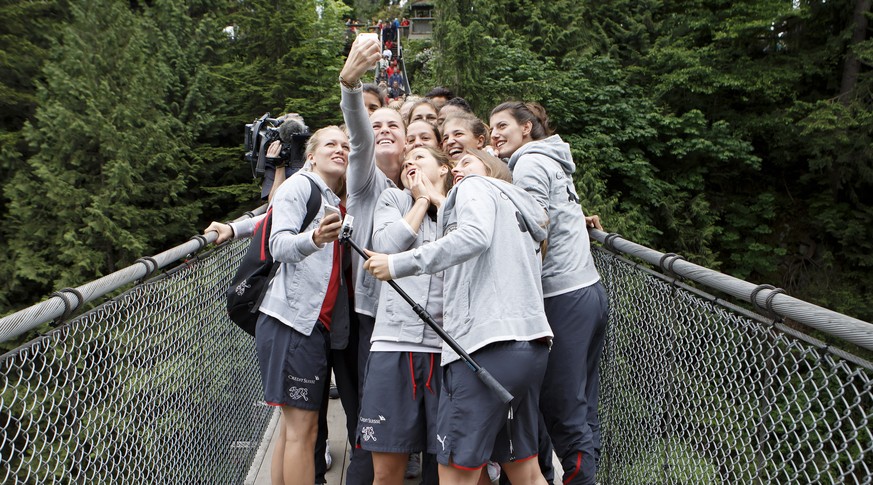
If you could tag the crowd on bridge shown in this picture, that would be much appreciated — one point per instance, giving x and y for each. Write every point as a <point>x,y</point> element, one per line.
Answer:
<point>481,225</point>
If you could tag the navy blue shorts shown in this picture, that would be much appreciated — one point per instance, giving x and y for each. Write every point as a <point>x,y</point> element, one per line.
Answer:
<point>401,401</point>
<point>474,426</point>
<point>294,368</point>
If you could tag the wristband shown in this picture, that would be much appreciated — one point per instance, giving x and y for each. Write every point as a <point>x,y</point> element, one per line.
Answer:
<point>423,197</point>
<point>351,87</point>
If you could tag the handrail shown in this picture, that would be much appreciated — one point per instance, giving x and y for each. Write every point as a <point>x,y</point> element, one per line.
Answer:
<point>63,303</point>
<point>765,298</point>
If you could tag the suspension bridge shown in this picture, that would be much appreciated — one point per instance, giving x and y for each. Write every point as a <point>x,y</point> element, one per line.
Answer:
<point>706,379</point>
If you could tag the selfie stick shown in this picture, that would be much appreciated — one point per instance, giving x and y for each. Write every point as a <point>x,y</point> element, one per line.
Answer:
<point>486,378</point>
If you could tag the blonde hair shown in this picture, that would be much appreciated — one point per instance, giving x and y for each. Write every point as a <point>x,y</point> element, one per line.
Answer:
<point>496,167</point>
<point>313,142</point>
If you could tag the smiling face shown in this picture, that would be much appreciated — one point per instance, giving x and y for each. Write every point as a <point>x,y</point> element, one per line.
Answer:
<point>390,134</point>
<point>458,137</point>
<point>329,156</point>
<point>425,112</point>
<point>420,134</point>
<point>468,165</point>
<point>507,135</point>
<point>423,161</point>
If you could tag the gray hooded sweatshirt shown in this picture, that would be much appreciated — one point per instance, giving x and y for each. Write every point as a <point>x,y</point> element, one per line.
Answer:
<point>396,321</point>
<point>544,168</point>
<point>364,183</point>
<point>490,254</point>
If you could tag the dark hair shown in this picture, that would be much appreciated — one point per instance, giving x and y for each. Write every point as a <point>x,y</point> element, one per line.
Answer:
<point>524,112</point>
<point>439,92</point>
<point>476,126</point>
<point>460,103</point>
<point>436,131</point>
<point>374,90</point>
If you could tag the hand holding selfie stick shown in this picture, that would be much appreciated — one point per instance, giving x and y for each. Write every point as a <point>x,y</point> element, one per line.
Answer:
<point>487,379</point>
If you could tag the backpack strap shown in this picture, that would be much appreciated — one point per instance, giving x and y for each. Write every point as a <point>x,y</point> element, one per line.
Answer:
<point>312,207</point>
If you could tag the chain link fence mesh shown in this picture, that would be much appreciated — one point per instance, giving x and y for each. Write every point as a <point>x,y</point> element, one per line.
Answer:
<point>157,386</point>
<point>154,386</point>
<point>695,392</point>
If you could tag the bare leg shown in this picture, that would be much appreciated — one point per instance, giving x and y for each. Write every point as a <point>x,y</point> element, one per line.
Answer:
<point>301,428</point>
<point>389,468</point>
<point>525,472</point>
<point>276,476</point>
<point>484,479</point>
<point>456,476</point>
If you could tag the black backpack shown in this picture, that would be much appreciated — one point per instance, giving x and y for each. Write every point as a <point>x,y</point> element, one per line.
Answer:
<point>249,285</point>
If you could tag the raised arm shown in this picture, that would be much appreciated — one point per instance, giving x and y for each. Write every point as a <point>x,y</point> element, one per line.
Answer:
<point>362,166</point>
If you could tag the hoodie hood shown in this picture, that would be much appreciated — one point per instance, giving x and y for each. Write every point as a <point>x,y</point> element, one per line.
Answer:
<point>553,147</point>
<point>531,214</point>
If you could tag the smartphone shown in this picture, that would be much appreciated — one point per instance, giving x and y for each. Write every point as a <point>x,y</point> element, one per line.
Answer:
<point>370,35</point>
<point>329,209</point>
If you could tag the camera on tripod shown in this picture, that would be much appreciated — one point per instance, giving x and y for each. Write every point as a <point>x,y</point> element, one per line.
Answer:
<point>290,130</point>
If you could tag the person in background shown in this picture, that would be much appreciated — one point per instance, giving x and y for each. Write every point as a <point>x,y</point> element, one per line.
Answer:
<point>408,103</point>
<point>453,106</point>
<point>373,98</point>
<point>396,92</point>
<point>439,96</point>
<point>575,300</point>
<point>423,110</point>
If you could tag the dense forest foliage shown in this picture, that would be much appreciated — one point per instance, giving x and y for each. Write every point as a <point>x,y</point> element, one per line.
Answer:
<point>737,133</point>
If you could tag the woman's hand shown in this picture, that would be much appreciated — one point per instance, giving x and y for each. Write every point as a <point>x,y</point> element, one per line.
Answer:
<point>328,230</point>
<point>362,57</point>
<point>435,195</point>
<point>416,185</point>
<point>593,221</point>
<point>377,265</point>
<point>224,231</point>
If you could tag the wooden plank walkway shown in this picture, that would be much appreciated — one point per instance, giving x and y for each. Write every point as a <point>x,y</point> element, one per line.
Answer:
<point>339,451</point>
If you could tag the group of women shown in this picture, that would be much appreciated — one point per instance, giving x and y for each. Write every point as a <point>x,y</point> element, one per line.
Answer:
<point>495,248</point>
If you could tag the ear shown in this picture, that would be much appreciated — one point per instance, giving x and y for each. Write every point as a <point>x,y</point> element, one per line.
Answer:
<point>480,142</point>
<point>526,128</point>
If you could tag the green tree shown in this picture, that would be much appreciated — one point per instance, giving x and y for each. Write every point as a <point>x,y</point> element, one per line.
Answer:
<point>111,164</point>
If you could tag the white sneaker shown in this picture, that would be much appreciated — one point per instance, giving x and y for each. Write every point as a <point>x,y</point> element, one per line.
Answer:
<point>328,461</point>
<point>493,471</point>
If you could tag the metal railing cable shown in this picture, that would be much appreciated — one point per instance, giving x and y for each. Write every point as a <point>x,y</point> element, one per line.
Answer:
<point>768,299</point>
<point>695,389</point>
<point>67,301</point>
<point>155,385</point>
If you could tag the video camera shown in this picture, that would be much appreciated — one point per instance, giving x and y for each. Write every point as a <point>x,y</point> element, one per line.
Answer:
<point>261,133</point>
